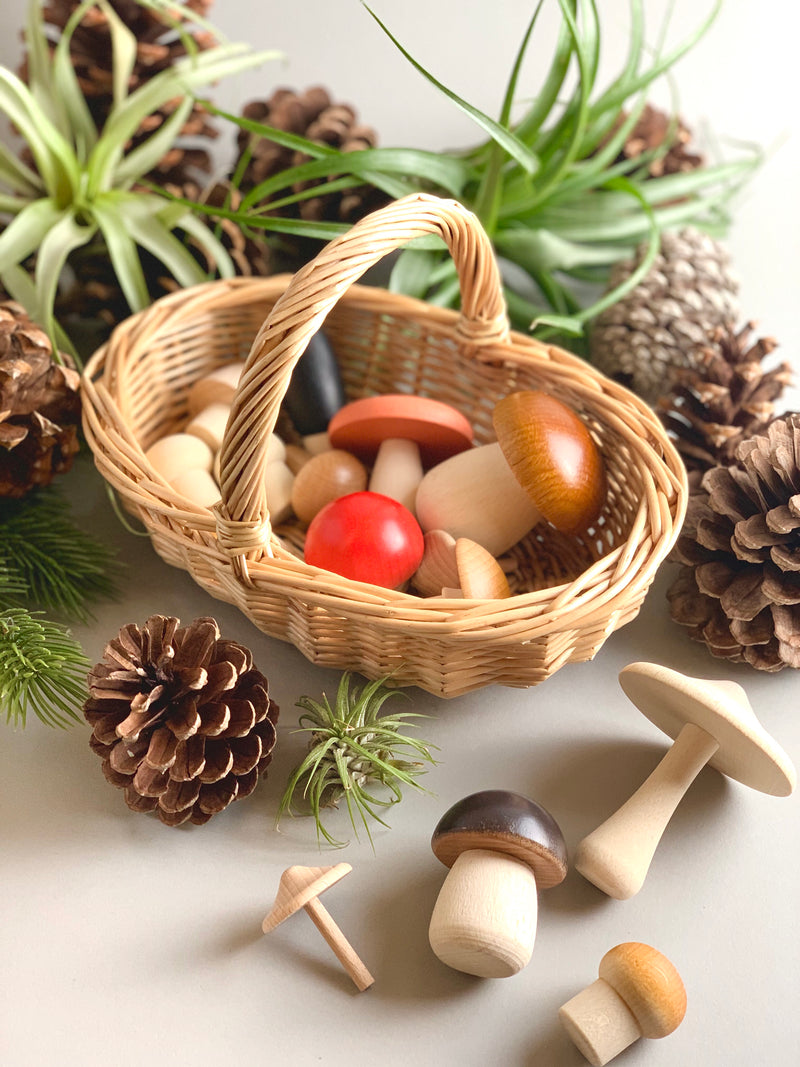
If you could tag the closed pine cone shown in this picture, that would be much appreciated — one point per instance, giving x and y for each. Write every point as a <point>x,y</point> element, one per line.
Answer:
<point>40,406</point>
<point>158,47</point>
<point>311,114</point>
<point>727,397</point>
<point>738,589</point>
<point>181,719</point>
<point>664,323</point>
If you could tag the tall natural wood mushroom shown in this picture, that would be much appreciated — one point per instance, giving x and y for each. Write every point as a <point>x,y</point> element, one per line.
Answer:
<point>544,465</point>
<point>712,723</point>
<point>501,848</point>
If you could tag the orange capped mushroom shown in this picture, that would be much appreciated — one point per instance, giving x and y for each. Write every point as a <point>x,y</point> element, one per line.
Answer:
<point>544,465</point>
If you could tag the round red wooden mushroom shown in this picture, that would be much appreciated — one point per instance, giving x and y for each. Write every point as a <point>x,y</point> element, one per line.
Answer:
<point>366,537</point>
<point>500,847</point>
<point>400,435</point>
<point>712,723</point>
<point>544,465</point>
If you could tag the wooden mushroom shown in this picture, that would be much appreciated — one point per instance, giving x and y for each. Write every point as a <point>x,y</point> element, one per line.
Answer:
<point>316,391</point>
<point>324,478</point>
<point>299,888</point>
<point>480,576</point>
<point>712,723</point>
<point>217,387</point>
<point>544,465</point>
<point>500,847</point>
<point>638,993</point>
<point>399,435</point>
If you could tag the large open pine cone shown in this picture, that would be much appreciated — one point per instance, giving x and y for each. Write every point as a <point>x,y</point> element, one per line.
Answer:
<point>739,587</point>
<point>181,719</point>
<point>665,321</point>
<point>728,396</point>
<point>40,406</point>
<point>158,47</point>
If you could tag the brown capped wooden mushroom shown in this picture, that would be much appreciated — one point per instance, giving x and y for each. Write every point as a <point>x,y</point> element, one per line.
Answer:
<point>638,993</point>
<point>712,723</point>
<point>324,478</point>
<point>500,847</point>
<point>544,465</point>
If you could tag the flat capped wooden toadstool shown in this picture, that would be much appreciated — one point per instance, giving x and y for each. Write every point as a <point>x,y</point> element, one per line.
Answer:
<point>712,723</point>
<point>544,465</point>
<point>638,993</point>
<point>500,847</point>
<point>400,435</point>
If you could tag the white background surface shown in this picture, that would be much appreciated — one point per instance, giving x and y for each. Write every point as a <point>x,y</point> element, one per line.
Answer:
<point>123,942</point>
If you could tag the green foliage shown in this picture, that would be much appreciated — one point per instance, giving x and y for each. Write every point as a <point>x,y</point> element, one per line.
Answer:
<point>352,745</point>
<point>45,559</point>
<point>83,185</point>
<point>42,669</point>
<point>546,184</point>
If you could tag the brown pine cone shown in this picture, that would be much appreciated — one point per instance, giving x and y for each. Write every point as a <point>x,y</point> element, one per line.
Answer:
<point>39,406</point>
<point>311,114</point>
<point>181,719</point>
<point>665,321</point>
<point>739,587</point>
<point>653,130</point>
<point>726,397</point>
<point>158,48</point>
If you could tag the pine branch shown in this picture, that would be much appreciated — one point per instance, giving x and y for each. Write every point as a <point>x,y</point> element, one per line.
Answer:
<point>46,560</point>
<point>42,669</point>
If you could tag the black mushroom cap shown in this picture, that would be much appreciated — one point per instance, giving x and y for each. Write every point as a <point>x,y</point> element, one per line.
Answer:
<point>506,822</point>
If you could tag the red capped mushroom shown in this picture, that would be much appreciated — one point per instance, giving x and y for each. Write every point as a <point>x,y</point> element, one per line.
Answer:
<point>399,435</point>
<point>544,465</point>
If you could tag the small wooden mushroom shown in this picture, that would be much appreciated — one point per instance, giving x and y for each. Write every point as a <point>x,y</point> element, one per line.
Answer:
<point>712,723</point>
<point>639,993</point>
<point>501,848</point>
<point>324,478</point>
<point>209,425</point>
<point>544,465</point>
<point>316,391</point>
<point>178,452</point>
<point>438,569</point>
<point>217,387</point>
<point>299,888</point>
<point>480,576</point>
<point>399,435</point>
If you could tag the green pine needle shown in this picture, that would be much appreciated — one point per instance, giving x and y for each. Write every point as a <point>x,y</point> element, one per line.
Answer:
<point>42,669</point>
<point>48,561</point>
<point>351,746</point>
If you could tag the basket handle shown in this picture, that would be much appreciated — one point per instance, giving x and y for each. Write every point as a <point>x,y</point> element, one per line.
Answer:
<point>243,526</point>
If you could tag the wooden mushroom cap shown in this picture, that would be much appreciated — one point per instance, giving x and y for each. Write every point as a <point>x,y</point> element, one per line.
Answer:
<point>746,751</point>
<point>324,478</point>
<point>480,576</point>
<point>649,984</point>
<point>501,821</point>
<point>298,886</point>
<point>553,457</point>
<point>363,425</point>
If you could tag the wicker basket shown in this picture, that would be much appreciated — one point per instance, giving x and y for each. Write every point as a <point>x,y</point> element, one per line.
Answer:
<point>569,593</point>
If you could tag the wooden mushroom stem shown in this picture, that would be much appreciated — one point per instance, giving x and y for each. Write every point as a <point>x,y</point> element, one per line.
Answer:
<point>599,1023</point>
<point>476,495</point>
<point>343,950</point>
<point>397,471</point>
<point>617,855</point>
<point>484,920</point>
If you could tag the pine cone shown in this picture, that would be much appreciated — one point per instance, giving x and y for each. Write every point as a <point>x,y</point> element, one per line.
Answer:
<point>313,115</point>
<point>727,397</point>
<point>158,48</point>
<point>655,129</point>
<point>39,406</point>
<point>181,719</point>
<point>664,322</point>
<point>739,587</point>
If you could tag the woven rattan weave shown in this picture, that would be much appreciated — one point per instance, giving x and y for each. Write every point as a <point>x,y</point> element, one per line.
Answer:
<point>569,593</point>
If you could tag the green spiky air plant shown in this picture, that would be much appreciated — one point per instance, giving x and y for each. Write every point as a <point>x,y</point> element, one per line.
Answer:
<point>352,750</point>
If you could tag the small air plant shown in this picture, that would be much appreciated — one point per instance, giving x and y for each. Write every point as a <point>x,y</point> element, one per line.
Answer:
<point>351,747</point>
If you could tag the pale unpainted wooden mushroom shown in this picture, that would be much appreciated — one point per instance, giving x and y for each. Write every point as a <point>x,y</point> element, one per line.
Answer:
<point>712,723</point>
<point>399,435</point>
<point>501,848</point>
<point>324,478</point>
<point>638,993</point>
<point>544,465</point>
<point>299,888</point>
<point>217,387</point>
